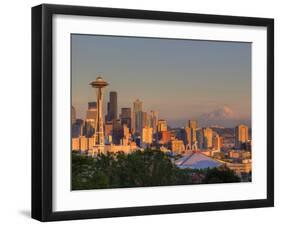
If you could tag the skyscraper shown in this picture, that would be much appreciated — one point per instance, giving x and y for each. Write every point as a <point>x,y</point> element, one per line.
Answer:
<point>138,122</point>
<point>137,117</point>
<point>126,135</point>
<point>126,117</point>
<point>192,124</point>
<point>217,142</point>
<point>112,108</point>
<point>73,115</point>
<point>137,106</point>
<point>90,121</point>
<point>145,119</point>
<point>107,116</point>
<point>188,138</point>
<point>241,135</point>
<point>77,128</point>
<point>208,138</point>
<point>99,84</point>
<point>162,125</point>
<point>200,138</point>
<point>108,131</point>
<point>191,138</point>
<point>117,131</point>
<point>153,120</point>
<point>89,128</point>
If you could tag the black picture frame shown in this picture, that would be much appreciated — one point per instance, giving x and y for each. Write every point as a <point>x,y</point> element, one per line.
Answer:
<point>42,111</point>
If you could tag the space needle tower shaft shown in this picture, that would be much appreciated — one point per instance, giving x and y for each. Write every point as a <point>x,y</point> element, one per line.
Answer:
<point>99,84</point>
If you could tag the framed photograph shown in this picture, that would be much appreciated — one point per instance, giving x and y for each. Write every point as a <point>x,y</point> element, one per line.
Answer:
<point>145,112</point>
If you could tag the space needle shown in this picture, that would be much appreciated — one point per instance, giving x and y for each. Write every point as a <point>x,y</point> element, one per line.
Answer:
<point>99,84</point>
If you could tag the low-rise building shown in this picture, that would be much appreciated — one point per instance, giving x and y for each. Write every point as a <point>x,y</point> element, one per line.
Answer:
<point>177,146</point>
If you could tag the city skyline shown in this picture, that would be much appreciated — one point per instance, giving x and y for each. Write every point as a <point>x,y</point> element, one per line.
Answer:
<point>174,83</point>
<point>179,124</point>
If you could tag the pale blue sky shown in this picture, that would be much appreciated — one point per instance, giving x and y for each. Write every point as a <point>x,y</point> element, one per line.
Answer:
<point>179,78</point>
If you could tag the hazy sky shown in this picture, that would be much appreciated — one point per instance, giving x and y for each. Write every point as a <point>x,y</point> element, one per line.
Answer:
<point>180,79</point>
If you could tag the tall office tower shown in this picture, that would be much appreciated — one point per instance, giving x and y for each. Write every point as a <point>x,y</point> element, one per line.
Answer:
<point>90,121</point>
<point>89,128</point>
<point>216,142</point>
<point>162,125</point>
<point>108,131</point>
<point>192,124</point>
<point>200,138</point>
<point>108,128</point>
<point>222,141</point>
<point>188,138</point>
<point>99,84</point>
<point>137,117</point>
<point>208,138</point>
<point>77,128</point>
<point>241,135</point>
<point>112,108</point>
<point>145,119</point>
<point>117,131</point>
<point>137,106</point>
<point>126,135</point>
<point>147,135</point>
<point>126,117</point>
<point>91,111</point>
<point>138,122</point>
<point>126,131</point>
<point>73,115</point>
<point>191,138</point>
<point>153,120</point>
<point>107,116</point>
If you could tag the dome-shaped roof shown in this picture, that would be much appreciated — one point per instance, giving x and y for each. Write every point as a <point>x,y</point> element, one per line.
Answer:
<point>196,160</point>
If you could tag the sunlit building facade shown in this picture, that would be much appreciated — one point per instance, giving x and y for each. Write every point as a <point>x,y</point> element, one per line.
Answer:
<point>147,135</point>
<point>208,138</point>
<point>75,144</point>
<point>83,143</point>
<point>177,146</point>
<point>192,124</point>
<point>241,135</point>
<point>162,125</point>
<point>154,120</point>
<point>216,142</point>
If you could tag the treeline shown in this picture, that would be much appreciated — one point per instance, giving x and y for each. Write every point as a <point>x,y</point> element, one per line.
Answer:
<point>139,169</point>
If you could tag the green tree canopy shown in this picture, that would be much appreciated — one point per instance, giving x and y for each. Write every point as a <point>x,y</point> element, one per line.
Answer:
<point>137,169</point>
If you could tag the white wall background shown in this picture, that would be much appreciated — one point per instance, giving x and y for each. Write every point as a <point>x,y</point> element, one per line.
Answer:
<point>15,99</point>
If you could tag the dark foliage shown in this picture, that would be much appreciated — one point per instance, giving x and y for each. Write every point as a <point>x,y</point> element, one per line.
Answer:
<point>138,169</point>
<point>220,175</point>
